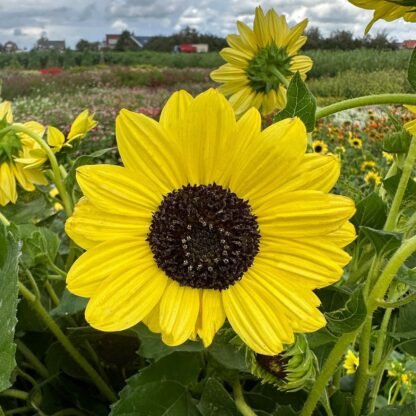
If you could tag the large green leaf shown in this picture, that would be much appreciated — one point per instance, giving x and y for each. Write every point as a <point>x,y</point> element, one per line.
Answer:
<point>397,142</point>
<point>411,75</point>
<point>371,212</point>
<point>406,410</point>
<point>216,401</point>
<point>350,317</point>
<point>300,103</point>
<point>9,257</point>
<point>384,242</point>
<point>69,305</point>
<point>161,389</point>
<point>391,184</point>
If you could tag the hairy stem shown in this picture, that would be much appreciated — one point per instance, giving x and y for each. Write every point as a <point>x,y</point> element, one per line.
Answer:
<point>240,402</point>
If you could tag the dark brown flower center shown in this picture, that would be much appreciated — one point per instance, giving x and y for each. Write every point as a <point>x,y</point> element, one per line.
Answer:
<point>204,236</point>
<point>273,364</point>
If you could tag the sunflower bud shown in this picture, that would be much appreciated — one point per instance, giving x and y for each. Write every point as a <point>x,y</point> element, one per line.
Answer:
<point>290,370</point>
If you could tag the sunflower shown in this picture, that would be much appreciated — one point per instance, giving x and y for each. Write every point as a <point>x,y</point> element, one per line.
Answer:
<point>388,157</point>
<point>355,142</point>
<point>368,165</point>
<point>209,219</point>
<point>13,147</point>
<point>320,146</point>
<point>388,10</point>
<point>351,362</point>
<point>372,177</point>
<point>260,62</point>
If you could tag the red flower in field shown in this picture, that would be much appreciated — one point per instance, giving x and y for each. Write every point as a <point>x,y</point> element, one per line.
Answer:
<point>53,70</point>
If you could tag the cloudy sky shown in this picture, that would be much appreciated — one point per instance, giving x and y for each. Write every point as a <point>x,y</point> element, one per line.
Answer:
<point>24,21</point>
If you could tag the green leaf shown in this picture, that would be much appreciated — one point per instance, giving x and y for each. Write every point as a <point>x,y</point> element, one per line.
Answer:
<point>391,184</point>
<point>9,258</point>
<point>300,103</point>
<point>405,410</point>
<point>411,74</point>
<point>69,305</point>
<point>405,326</point>
<point>216,401</point>
<point>230,354</point>
<point>384,242</point>
<point>161,389</point>
<point>350,317</point>
<point>82,160</point>
<point>371,212</point>
<point>397,142</point>
<point>151,345</point>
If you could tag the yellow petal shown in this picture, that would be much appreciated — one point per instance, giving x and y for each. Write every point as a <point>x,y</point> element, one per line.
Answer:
<point>270,158</point>
<point>126,297</point>
<point>89,226</point>
<point>247,36</point>
<point>301,63</point>
<point>82,124</point>
<point>6,111</point>
<point>235,57</point>
<point>260,28</point>
<point>146,149</point>
<point>8,182</point>
<point>212,315</point>
<point>228,72</point>
<point>152,319</point>
<point>255,316</point>
<point>237,43</point>
<point>242,100</point>
<point>179,310</point>
<point>55,137</point>
<point>99,262</point>
<point>304,214</point>
<point>344,235</point>
<point>116,189</point>
<point>20,175</point>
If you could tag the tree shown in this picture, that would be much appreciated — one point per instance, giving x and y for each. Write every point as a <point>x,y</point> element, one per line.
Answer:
<point>126,43</point>
<point>83,46</point>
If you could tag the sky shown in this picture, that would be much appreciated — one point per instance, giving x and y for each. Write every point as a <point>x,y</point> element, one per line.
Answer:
<point>24,21</point>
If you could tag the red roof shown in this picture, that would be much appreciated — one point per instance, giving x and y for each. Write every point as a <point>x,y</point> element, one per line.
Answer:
<point>409,44</point>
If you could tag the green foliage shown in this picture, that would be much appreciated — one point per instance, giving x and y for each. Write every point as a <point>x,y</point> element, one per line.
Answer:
<point>9,255</point>
<point>411,74</point>
<point>300,103</point>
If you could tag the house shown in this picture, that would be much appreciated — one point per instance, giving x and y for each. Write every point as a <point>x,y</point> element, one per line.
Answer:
<point>409,44</point>
<point>10,47</point>
<point>191,48</point>
<point>111,40</point>
<point>46,44</point>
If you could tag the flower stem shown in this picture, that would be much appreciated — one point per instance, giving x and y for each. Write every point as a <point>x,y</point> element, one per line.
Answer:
<point>328,369</point>
<point>241,404</point>
<point>67,344</point>
<point>66,199</point>
<point>16,394</point>
<point>401,189</point>
<point>392,305</point>
<point>280,76</point>
<point>366,100</point>
<point>28,354</point>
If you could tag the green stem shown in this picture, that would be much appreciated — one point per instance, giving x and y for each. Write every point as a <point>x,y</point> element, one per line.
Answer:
<point>397,304</point>
<point>28,354</point>
<point>407,248</point>
<point>401,189</point>
<point>361,382</point>
<point>18,411</point>
<point>4,220</point>
<point>66,199</point>
<point>280,76</point>
<point>366,100</point>
<point>52,294</point>
<point>241,404</point>
<point>67,344</point>
<point>328,369</point>
<point>16,394</point>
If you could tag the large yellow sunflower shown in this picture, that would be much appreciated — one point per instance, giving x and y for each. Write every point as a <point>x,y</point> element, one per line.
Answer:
<point>388,10</point>
<point>260,61</point>
<point>209,219</point>
<point>13,147</point>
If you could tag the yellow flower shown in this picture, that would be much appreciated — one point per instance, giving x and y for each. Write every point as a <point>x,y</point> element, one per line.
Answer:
<point>355,142</point>
<point>405,378</point>
<point>368,165</point>
<point>21,158</point>
<point>320,146</point>
<point>260,61</point>
<point>388,156</point>
<point>209,219</point>
<point>81,126</point>
<point>372,177</point>
<point>56,138</point>
<point>53,193</point>
<point>351,362</point>
<point>388,10</point>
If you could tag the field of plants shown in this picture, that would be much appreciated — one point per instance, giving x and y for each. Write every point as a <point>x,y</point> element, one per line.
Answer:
<point>171,245</point>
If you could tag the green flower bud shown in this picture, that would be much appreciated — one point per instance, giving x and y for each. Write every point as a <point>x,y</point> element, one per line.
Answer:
<point>290,370</point>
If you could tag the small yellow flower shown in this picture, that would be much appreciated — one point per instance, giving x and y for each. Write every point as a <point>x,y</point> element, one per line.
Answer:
<point>410,126</point>
<point>355,142</point>
<point>388,10</point>
<point>81,126</point>
<point>388,156</point>
<point>320,146</point>
<point>21,158</point>
<point>368,165</point>
<point>372,177</point>
<point>405,378</point>
<point>56,138</point>
<point>260,61</point>
<point>53,193</point>
<point>351,362</point>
